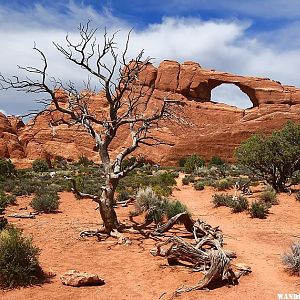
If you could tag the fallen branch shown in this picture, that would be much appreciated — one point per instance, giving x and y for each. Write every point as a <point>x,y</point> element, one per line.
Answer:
<point>205,254</point>
<point>23,216</point>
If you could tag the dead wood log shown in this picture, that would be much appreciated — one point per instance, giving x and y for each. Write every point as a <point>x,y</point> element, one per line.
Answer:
<point>206,254</point>
<point>23,216</point>
<point>183,218</point>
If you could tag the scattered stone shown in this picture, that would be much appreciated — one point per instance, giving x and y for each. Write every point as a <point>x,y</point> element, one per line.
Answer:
<point>76,278</point>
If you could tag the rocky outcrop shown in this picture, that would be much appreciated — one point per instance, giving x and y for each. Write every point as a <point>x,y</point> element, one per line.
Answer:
<point>216,129</point>
<point>10,146</point>
<point>77,279</point>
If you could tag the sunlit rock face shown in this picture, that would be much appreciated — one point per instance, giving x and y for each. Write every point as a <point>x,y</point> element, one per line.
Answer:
<point>10,146</point>
<point>214,128</point>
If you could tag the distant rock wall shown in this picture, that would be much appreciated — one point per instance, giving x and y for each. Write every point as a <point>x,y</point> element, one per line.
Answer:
<point>217,129</point>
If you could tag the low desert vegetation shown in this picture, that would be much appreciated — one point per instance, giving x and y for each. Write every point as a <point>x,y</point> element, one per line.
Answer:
<point>199,185</point>
<point>156,207</point>
<point>40,165</point>
<point>19,265</point>
<point>291,259</point>
<point>297,196</point>
<point>237,204</point>
<point>269,196</point>
<point>259,209</point>
<point>192,163</point>
<point>45,200</point>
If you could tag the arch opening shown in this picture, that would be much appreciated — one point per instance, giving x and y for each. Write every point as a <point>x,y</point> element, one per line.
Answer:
<point>231,94</point>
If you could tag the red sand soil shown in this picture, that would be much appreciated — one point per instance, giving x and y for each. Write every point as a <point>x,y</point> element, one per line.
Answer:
<point>131,272</point>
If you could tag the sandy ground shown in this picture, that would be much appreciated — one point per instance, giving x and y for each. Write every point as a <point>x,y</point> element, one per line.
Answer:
<point>131,272</point>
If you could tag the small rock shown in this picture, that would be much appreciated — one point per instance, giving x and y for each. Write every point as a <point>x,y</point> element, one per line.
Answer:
<point>76,278</point>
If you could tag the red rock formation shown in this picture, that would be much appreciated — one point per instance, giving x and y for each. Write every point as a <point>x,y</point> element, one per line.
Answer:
<point>217,129</point>
<point>9,143</point>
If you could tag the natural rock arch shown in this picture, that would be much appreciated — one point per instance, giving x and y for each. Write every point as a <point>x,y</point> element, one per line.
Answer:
<point>250,92</point>
<point>231,94</point>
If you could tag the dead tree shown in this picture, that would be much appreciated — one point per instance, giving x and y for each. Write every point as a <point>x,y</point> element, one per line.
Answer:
<point>126,100</point>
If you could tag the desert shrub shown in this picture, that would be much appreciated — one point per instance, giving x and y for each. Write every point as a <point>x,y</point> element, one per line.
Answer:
<point>188,179</point>
<point>216,161</point>
<point>3,200</point>
<point>182,161</point>
<point>45,201</point>
<point>123,196</point>
<point>84,161</point>
<point>269,196</point>
<point>199,185</point>
<point>6,199</point>
<point>291,259</point>
<point>19,265</point>
<point>3,223</point>
<point>26,187</point>
<point>164,179</point>
<point>192,163</point>
<point>7,168</point>
<point>295,179</point>
<point>297,196</point>
<point>185,180</point>
<point>8,185</point>
<point>155,206</point>
<point>40,165</point>
<point>60,162</point>
<point>239,204</point>
<point>258,209</point>
<point>172,208</point>
<point>222,200</point>
<point>223,184</point>
<point>148,201</point>
<point>163,191</point>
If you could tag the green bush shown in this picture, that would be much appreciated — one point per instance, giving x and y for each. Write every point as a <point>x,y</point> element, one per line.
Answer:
<point>239,204</point>
<point>156,207</point>
<point>297,196</point>
<point>19,265</point>
<point>164,179</point>
<point>216,161</point>
<point>60,162</point>
<point>199,186</point>
<point>3,223</point>
<point>291,259</point>
<point>172,208</point>
<point>7,168</point>
<point>258,210</point>
<point>185,180</point>
<point>6,199</point>
<point>123,196</point>
<point>188,179</point>
<point>45,201</point>
<point>222,200</point>
<point>182,161</point>
<point>192,163</point>
<point>223,184</point>
<point>269,196</point>
<point>3,200</point>
<point>40,165</point>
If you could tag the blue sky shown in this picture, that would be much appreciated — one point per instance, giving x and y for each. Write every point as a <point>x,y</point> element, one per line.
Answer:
<point>256,38</point>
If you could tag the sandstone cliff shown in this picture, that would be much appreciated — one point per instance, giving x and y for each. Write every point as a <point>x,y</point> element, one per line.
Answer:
<point>217,129</point>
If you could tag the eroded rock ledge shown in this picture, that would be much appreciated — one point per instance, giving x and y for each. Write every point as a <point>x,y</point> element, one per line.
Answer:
<point>217,128</point>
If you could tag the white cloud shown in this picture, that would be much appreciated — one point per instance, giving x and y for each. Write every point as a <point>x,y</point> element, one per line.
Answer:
<point>218,44</point>
<point>3,112</point>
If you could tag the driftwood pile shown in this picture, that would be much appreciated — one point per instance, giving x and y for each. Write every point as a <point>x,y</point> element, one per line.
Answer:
<point>205,253</point>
